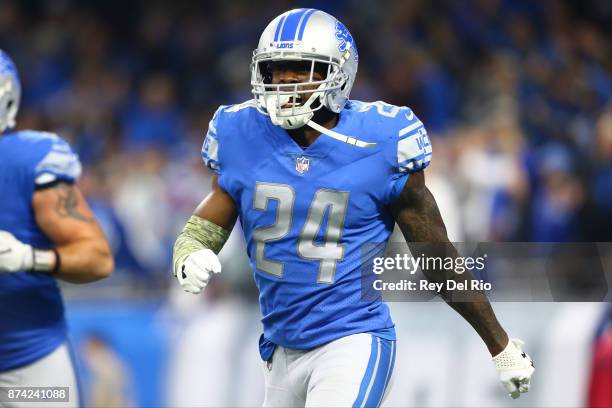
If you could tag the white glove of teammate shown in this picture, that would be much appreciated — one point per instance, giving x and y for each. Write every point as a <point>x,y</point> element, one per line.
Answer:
<point>15,256</point>
<point>196,271</point>
<point>515,368</point>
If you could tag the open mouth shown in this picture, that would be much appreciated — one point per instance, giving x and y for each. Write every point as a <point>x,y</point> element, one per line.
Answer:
<point>294,101</point>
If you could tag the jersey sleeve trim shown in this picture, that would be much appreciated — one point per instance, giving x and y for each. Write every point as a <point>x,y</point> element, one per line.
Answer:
<point>210,148</point>
<point>59,164</point>
<point>212,128</point>
<point>410,128</point>
<point>414,148</point>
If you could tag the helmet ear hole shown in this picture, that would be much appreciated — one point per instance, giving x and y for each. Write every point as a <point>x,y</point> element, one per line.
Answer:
<point>10,104</point>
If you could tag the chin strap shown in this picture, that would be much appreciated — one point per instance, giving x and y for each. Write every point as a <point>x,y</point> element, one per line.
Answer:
<point>335,135</point>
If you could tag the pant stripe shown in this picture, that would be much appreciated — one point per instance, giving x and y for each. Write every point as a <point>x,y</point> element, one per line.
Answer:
<point>389,373</point>
<point>379,381</point>
<point>369,373</point>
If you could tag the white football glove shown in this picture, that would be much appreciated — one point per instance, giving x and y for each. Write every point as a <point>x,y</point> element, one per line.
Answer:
<point>15,256</point>
<point>515,368</point>
<point>196,271</point>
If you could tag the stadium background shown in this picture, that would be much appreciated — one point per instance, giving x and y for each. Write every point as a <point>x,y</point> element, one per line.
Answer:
<point>516,96</point>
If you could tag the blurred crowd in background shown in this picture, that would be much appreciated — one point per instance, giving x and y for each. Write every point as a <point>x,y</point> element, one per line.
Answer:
<point>516,96</point>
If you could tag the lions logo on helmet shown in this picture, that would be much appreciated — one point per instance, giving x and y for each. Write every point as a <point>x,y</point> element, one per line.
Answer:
<point>345,38</point>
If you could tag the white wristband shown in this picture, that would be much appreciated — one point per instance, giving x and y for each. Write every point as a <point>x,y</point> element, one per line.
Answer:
<point>44,260</point>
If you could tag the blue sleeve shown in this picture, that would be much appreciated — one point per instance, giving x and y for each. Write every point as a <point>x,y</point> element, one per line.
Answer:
<point>210,148</point>
<point>409,151</point>
<point>58,163</point>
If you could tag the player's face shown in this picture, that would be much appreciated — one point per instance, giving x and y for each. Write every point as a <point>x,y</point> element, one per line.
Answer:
<point>293,72</point>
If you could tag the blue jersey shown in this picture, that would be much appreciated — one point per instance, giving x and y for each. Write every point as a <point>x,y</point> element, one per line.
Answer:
<point>32,313</point>
<point>313,218</point>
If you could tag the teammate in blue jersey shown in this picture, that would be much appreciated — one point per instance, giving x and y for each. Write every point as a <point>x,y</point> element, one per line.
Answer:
<point>47,232</point>
<point>318,182</point>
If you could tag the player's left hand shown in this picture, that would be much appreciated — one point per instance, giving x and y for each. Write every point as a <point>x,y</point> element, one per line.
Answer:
<point>15,256</point>
<point>515,368</point>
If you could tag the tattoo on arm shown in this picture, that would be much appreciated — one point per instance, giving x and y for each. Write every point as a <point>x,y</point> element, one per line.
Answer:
<point>419,219</point>
<point>67,203</point>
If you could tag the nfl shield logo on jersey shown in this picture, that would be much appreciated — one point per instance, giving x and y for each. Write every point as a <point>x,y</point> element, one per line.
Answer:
<point>302,164</point>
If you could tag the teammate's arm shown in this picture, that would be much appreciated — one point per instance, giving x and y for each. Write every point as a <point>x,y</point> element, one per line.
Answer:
<point>196,248</point>
<point>63,215</point>
<point>419,219</point>
<point>81,253</point>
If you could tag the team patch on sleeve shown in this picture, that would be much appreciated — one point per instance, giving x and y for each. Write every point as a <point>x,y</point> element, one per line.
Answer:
<point>413,148</point>
<point>59,164</point>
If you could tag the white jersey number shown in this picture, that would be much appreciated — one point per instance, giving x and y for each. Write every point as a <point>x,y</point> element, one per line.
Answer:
<point>383,109</point>
<point>328,250</point>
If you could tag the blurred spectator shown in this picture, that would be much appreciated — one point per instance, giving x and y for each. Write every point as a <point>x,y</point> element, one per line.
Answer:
<point>108,382</point>
<point>154,119</point>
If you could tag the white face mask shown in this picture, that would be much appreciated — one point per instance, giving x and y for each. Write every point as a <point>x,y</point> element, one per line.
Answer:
<point>10,94</point>
<point>272,97</point>
<point>292,117</point>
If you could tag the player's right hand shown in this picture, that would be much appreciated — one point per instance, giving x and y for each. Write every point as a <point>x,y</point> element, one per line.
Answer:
<point>15,256</point>
<point>196,271</point>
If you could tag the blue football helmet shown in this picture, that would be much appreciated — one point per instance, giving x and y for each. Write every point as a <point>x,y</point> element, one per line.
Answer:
<point>10,92</point>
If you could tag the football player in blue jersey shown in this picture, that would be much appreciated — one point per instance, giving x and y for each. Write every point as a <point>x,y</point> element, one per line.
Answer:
<point>318,182</point>
<point>47,232</point>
